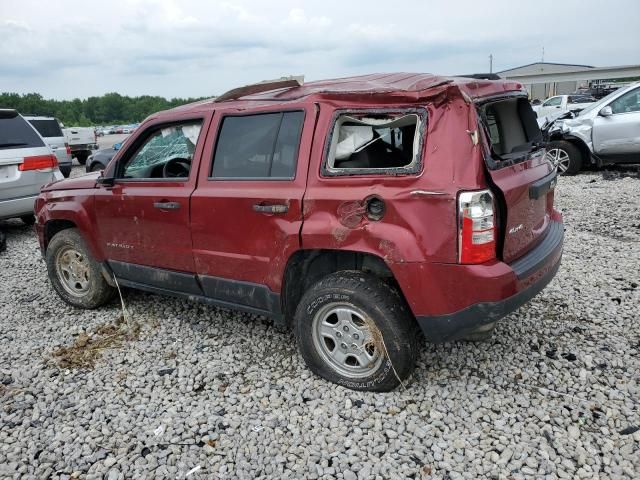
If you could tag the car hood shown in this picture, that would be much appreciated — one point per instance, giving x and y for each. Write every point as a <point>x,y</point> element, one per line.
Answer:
<point>76,183</point>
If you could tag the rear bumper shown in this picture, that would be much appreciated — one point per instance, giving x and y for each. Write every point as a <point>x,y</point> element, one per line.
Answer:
<point>17,207</point>
<point>527,277</point>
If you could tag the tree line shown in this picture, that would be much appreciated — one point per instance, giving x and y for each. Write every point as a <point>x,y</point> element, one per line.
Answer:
<point>108,109</point>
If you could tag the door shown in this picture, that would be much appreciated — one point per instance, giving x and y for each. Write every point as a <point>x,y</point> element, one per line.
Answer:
<point>143,219</point>
<point>553,105</point>
<point>619,133</point>
<point>246,211</point>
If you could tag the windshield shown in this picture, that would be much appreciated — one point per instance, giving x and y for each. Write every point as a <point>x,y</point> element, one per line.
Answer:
<point>47,128</point>
<point>15,132</point>
<point>599,103</point>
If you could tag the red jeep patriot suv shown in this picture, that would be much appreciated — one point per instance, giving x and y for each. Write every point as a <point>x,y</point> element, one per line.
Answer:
<point>358,211</point>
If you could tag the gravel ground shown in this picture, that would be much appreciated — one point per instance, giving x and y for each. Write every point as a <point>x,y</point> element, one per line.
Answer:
<point>207,393</point>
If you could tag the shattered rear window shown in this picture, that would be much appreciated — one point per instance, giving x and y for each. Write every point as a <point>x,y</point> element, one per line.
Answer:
<point>375,142</point>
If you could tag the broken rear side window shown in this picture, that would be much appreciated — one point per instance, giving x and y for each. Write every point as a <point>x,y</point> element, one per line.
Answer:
<point>510,128</point>
<point>375,142</point>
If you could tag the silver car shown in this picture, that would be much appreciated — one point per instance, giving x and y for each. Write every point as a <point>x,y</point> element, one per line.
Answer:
<point>605,132</point>
<point>26,163</point>
<point>49,129</point>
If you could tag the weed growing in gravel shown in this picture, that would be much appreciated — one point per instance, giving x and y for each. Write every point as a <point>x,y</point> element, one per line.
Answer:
<point>88,348</point>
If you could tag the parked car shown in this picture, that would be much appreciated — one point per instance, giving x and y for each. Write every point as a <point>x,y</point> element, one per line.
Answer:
<point>100,158</point>
<point>50,130</point>
<point>605,132</point>
<point>328,207</point>
<point>563,103</point>
<point>83,141</point>
<point>26,163</point>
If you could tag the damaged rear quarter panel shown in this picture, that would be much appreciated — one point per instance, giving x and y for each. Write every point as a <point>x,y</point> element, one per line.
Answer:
<point>420,221</point>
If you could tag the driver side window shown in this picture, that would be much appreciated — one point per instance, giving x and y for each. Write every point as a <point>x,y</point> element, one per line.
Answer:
<point>629,102</point>
<point>166,153</point>
<point>553,101</point>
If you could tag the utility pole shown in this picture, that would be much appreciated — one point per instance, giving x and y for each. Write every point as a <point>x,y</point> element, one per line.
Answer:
<point>542,54</point>
<point>491,63</point>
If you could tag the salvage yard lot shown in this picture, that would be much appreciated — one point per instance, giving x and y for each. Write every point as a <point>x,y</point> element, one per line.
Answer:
<point>222,394</point>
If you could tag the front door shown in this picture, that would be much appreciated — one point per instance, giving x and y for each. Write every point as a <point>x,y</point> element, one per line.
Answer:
<point>143,219</point>
<point>619,133</point>
<point>247,214</point>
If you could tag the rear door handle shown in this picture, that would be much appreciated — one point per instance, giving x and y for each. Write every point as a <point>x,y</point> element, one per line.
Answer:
<point>166,205</point>
<point>270,208</point>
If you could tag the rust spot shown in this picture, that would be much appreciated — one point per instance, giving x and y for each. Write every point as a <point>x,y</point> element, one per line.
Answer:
<point>351,213</point>
<point>307,207</point>
<point>340,234</point>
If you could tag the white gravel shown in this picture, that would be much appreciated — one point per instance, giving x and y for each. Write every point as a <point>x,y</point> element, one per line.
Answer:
<point>210,393</point>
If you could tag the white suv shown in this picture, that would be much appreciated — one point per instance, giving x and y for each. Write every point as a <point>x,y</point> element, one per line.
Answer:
<point>26,163</point>
<point>49,129</point>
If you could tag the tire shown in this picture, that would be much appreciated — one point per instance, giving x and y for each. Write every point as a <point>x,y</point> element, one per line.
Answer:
<point>566,156</point>
<point>28,219</point>
<point>65,170</point>
<point>74,274</point>
<point>82,158</point>
<point>482,334</point>
<point>377,334</point>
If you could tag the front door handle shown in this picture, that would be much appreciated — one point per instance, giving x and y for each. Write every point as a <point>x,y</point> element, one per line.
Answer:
<point>166,205</point>
<point>270,208</point>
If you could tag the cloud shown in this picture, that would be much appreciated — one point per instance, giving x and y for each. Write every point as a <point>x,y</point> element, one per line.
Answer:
<point>200,47</point>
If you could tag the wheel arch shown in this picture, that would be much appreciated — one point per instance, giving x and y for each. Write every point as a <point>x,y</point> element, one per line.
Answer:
<point>306,267</point>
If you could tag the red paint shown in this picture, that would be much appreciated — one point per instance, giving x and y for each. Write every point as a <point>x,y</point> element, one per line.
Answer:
<point>217,232</point>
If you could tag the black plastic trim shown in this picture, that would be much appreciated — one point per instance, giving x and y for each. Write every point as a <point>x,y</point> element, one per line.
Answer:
<point>542,186</point>
<point>445,328</point>
<point>156,277</point>
<point>532,261</point>
<point>237,292</point>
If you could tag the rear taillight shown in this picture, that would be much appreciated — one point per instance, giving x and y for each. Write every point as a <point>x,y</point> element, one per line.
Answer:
<point>38,162</point>
<point>66,145</point>
<point>477,227</point>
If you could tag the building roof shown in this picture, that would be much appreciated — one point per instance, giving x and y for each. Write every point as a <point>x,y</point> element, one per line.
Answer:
<point>571,66</point>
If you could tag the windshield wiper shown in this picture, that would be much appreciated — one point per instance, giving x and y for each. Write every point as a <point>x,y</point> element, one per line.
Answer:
<point>12,144</point>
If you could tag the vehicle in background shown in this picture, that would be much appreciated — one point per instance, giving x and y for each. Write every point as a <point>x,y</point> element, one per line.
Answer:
<point>562,103</point>
<point>26,164</point>
<point>50,130</point>
<point>326,207</point>
<point>100,158</point>
<point>602,90</point>
<point>83,141</point>
<point>606,132</point>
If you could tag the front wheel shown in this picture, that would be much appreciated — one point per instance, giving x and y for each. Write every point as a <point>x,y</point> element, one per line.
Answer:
<point>565,156</point>
<point>73,272</point>
<point>355,330</point>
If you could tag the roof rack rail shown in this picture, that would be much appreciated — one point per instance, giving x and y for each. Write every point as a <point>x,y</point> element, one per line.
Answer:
<point>260,87</point>
<point>482,76</point>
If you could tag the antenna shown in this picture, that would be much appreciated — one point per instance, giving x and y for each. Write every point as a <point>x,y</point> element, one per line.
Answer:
<point>491,63</point>
<point>542,54</point>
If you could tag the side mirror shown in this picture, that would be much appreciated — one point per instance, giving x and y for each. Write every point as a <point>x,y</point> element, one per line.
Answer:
<point>606,112</point>
<point>108,181</point>
<point>117,146</point>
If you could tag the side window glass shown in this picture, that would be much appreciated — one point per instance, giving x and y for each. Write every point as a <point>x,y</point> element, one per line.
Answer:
<point>371,142</point>
<point>167,153</point>
<point>258,146</point>
<point>629,102</point>
<point>553,101</point>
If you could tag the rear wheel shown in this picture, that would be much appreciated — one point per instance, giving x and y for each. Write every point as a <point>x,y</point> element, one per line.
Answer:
<point>354,330</point>
<point>82,158</point>
<point>565,156</point>
<point>73,272</point>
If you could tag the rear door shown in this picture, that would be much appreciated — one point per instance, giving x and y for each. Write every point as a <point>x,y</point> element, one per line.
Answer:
<point>523,178</point>
<point>246,213</point>
<point>619,133</point>
<point>553,105</point>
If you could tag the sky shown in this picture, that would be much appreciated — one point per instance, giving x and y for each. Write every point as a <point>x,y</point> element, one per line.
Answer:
<point>189,48</point>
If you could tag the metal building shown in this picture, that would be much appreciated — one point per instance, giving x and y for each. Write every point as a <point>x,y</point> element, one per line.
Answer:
<point>544,79</point>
